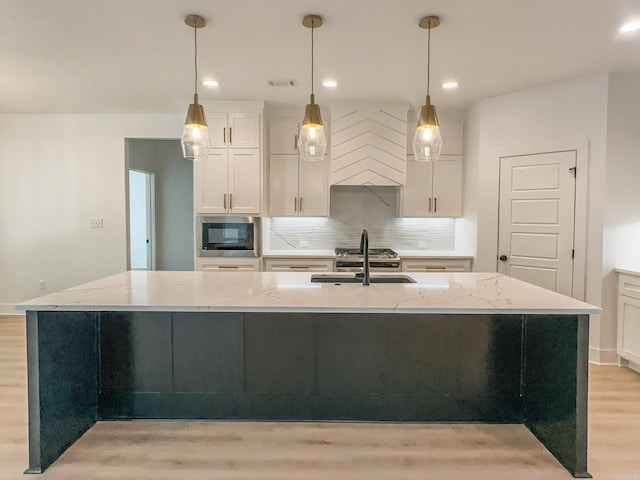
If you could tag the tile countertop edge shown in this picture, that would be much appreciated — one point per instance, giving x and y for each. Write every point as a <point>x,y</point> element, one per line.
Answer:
<point>627,271</point>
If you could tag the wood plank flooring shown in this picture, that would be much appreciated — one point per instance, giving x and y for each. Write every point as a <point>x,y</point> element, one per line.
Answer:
<point>313,451</point>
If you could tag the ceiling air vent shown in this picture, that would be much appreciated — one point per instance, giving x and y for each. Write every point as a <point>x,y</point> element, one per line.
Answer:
<point>282,83</point>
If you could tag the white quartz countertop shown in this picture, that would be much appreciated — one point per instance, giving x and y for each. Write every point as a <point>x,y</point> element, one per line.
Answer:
<point>293,292</point>
<point>627,271</point>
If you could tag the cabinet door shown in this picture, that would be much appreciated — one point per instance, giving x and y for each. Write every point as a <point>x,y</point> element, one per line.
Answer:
<point>244,181</point>
<point>447,186</point>
<point>218,131</point>
<point>212,184</point>
<point>629,328</point>
<point>283,136</point>
<point>416,198</point>
<point>244,130</point>
<point>313,200</point>
<point>283,185</point>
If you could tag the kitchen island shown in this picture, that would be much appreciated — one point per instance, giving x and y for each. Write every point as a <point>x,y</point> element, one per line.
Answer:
<point>452,347</point>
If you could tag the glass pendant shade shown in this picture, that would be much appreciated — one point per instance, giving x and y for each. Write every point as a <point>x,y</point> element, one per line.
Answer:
<point>195,136</point>
<point>427,141</point>
<point>312,141</point>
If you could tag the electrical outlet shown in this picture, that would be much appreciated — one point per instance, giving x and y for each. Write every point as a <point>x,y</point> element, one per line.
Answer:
<point>304,243</point>
<point>96,223</point>
<point>43,285</point>
<point>422,245</point>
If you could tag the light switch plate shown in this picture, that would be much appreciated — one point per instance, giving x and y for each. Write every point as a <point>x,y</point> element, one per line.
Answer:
<point>96,223</point>
<point>422,245</point>
<point>304,243</point>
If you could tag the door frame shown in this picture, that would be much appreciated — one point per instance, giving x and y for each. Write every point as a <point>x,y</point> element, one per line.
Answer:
<point>581,147</point>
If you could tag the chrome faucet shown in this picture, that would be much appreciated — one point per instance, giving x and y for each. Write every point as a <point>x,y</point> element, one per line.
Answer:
<point>364,249</point>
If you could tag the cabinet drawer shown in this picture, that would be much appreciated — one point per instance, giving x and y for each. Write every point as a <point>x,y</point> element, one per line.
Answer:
<point>227,264</point>
<point>629,285</point>
<point>437,265</point>
<point>298,264</point>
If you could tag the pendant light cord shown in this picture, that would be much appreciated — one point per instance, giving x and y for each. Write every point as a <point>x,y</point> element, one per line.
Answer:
<point>428,58</point>
<point>312,28</point>
<point>195,57</point>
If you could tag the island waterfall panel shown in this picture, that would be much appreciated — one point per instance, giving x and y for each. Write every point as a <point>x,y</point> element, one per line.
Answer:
<point>399,367</point>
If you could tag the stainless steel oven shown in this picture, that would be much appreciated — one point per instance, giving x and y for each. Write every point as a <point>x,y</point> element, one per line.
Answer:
<point>230,236</point>
<point>380,260</point>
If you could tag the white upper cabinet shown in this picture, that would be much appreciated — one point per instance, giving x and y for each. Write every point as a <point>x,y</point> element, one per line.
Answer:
<point>228,181</point>
<point>433,189</point>
<point>234,130</point>
<point>283,136</point>
<point>296,187</point>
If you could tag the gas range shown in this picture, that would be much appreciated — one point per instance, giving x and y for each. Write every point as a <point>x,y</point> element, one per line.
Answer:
<point>380,259</point>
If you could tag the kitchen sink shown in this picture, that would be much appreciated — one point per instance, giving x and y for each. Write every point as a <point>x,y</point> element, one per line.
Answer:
<point>322,278</point>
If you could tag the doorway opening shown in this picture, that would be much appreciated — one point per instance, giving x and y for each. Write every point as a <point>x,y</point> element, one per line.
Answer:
<point>141,220</point>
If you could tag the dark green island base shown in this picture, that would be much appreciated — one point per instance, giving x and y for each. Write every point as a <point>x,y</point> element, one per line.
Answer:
<point>85,367</point>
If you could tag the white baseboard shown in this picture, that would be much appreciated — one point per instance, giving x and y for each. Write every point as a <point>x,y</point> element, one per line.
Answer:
<point>626,363</point>
<point>603,356</point>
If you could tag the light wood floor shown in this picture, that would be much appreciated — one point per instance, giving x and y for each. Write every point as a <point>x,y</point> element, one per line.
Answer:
<point>327,451</point>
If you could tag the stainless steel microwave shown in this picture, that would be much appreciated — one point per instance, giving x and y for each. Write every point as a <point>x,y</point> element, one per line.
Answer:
<point>228,236</point>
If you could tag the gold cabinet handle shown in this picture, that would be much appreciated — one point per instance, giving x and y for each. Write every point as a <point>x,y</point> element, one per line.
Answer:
<point>295,204</point>
<point>429,204</point>
<point>300,204</point>
<point>224,135</point>
<point>224,201</point>
<point>228,266</point>
<point>231,201</point>
<point>295,142</point>
<point>299,267</point>
<point>435,204</point>
<point>230,136</point>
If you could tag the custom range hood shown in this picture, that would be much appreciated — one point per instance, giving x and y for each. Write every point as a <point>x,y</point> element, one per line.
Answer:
<point>369,145</point>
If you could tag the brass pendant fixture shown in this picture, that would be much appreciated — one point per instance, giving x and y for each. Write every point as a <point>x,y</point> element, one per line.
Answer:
<point>312,141</point>
<point>195,136</point>
<point>427,141</point>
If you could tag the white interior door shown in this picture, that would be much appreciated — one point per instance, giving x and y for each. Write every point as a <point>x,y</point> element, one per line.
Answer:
<point>141,220</point>
<point>536,219</point>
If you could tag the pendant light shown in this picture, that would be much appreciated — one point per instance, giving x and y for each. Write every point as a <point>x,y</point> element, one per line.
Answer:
<point>427,141</point>
<point>312,142</point>
<point>195,136</point>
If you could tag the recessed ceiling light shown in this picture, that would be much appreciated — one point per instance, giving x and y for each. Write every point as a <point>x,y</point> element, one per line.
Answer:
<point>210,83</point>
<point>630,27</point>
<point>449,85</point>
<point>330,83</point>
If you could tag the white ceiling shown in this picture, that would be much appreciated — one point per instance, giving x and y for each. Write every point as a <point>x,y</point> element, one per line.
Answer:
<point>136,56</point>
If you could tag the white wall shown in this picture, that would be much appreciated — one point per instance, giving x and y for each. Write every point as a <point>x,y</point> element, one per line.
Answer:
<point>622,200</point>
<point>560,115</point>
<point>56,173</point>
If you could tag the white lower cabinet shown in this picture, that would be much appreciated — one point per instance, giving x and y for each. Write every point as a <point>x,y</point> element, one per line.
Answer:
<point>238,264</point>
<point>629,317</point>
<point>436,265</point>
<point>297,264</point>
